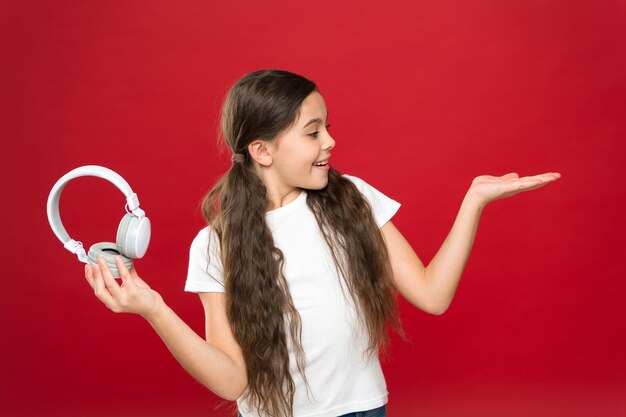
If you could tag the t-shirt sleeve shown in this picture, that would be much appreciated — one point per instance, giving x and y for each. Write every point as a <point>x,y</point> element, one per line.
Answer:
<point>383,207</point>
<point>204,274</point>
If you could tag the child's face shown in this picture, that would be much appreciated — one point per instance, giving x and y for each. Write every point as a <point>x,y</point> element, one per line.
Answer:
<point>306,142</point>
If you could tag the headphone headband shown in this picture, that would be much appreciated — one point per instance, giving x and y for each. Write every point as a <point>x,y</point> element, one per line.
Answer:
<point>54,217</point>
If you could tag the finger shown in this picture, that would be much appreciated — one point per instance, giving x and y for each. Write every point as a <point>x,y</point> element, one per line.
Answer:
<point>532,183</point>
<point>89,276</point>
<point>124,274</point>
<point>100,289</point>
<point>133,272</point>
<point>543,178</point>
<point>513,186</point>
<point>551,176</point>
<point>548,176</point>
<point>109,281</point>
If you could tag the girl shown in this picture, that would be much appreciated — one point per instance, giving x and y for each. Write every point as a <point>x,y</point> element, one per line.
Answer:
<point>299,267</point>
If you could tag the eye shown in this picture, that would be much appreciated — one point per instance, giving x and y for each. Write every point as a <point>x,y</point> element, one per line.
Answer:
<point>314,134</point>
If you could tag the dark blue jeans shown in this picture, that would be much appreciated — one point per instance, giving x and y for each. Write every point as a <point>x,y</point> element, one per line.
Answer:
<point>376,412</point>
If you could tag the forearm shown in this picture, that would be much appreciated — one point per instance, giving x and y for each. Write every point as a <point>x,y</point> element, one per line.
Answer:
<point>210,366</point>
<point>445,269</point>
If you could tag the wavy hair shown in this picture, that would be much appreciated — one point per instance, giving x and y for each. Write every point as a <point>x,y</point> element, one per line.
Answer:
<point>263,104</point>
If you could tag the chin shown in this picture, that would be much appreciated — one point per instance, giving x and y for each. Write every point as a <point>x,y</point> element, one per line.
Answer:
<point>324,184</point>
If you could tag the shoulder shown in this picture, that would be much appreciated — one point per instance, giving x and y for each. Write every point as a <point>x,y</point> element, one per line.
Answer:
<point>205,271</point>
<point>360,183</point>
<point>353,178</point>
<point>203,235</point>
<point>369,191</point>
<point>201,241</point>
<point>357,181</point>
<point>383,207</point>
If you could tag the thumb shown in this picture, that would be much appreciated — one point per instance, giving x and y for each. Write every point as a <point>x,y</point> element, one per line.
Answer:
<point>135,278</point>
<point>510,175</point>
<point>133,272</point>
<point>140,282</point>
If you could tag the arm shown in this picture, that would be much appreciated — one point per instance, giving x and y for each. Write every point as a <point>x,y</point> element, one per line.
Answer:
<point>212,367</point>
<point>432,288</point>
<point>218,364</point>
<point>444,272</point>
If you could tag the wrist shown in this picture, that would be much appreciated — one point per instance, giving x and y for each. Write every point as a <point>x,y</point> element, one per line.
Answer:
<point>473,201</point>
<point>157,310</point>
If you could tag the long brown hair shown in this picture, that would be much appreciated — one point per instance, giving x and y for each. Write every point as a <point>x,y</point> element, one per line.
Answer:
<point>262,104</point>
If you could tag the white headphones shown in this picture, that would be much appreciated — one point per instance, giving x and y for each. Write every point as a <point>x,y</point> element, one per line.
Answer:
<point>133,233</point>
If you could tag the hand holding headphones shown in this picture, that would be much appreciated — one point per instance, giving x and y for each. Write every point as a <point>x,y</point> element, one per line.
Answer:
<point>133,233</point>
<point>133,296</point>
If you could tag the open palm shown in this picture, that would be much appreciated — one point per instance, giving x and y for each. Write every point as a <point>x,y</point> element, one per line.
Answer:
<point>487,188</point>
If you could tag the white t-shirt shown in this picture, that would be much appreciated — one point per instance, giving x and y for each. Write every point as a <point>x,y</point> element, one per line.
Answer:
<point>341,378</point>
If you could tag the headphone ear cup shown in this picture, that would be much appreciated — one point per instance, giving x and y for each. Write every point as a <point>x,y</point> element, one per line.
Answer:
<point>108,251</point>
<point>133,236</point>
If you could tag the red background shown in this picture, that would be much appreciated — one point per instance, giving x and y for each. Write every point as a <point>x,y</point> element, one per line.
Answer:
<point>423,96</point>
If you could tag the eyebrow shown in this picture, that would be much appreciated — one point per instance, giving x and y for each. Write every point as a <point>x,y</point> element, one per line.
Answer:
<point>316,120</point>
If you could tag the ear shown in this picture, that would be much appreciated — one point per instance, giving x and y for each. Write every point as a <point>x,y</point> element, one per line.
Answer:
<point>261,151</point>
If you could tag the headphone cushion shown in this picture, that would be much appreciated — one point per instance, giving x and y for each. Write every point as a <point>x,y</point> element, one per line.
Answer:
<point>108,251</point>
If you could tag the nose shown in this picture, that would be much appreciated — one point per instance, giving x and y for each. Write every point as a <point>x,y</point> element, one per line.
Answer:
<point>330,142</point>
